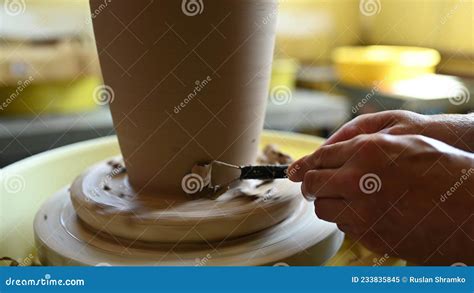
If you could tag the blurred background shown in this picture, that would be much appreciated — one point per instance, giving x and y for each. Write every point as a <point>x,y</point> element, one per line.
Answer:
<point>334,60</point>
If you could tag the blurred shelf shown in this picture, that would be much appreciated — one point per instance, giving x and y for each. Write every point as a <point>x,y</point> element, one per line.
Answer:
<point>308,110</point>
<point>22,137</point>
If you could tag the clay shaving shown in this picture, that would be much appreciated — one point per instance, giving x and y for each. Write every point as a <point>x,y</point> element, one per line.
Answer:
<point>29,261</point>
<point>13,262</point>
<point>271,155</point>
<point>204,171</point>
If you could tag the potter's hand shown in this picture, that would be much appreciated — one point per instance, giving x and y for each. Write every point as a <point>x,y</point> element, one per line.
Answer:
<point>455,130</point>
<point>408,196</point>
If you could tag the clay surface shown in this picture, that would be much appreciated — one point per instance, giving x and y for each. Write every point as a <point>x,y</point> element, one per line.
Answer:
<point>104,202</point>
<point>187,88</point>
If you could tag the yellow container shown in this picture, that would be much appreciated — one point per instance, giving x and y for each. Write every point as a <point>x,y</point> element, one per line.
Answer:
<point>362,66</point>
<point>284,73</point>
<point>49,98</point>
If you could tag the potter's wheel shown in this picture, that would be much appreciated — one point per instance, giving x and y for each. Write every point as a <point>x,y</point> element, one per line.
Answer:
<point>285,229</point>
<point>73,244</point>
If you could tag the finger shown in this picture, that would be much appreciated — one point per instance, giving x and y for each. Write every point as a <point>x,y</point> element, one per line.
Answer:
<point>327,157</point>
<point>323,183</point>
<point>295,171</point>
<point>364,124</point>
<point>332,210</point>
<point>342,212</point>
<point>346,228</point>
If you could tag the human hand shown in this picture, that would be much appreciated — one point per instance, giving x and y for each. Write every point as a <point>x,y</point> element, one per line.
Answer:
<point>455,130</point>
<point>409,196</point>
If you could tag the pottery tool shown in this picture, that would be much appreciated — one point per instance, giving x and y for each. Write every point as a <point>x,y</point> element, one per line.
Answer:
<point>265,172</point>
<point>260,172</point>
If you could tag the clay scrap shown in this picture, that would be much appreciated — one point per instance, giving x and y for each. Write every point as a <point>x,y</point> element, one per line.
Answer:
<point>271,155</point>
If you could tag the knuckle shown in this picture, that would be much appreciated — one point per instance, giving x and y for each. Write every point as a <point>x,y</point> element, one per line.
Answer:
<point>419,139</point>
<point>360,140</point>
<point>399,113</point>
<point>358,119</point>
<point>317,155</point>
<point>379,140</point>
<point>365,117</point>
<point>380,137</point>
<point>367,145</point>
<point>397,130</point>
<point>422,142</point>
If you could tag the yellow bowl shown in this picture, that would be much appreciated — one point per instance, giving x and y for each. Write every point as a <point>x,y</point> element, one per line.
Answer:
<point>365,65</point>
